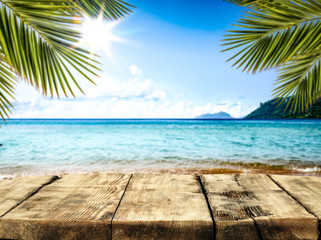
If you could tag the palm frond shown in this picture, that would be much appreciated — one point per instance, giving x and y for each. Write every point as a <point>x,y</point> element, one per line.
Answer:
<point>255,3</point>
<point>36,42</point>
<point>109,9</point>
<point>269,39</point>
<point>300,79</point>
<point>38,39</point>
<point>281,36</point>
<point>7,84</point>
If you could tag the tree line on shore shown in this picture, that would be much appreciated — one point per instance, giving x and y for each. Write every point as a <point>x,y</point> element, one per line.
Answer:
<point>273,109</point>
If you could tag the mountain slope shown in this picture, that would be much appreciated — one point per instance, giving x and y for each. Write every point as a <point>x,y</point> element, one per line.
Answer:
<point>219,115</point>
<point>269,110</point>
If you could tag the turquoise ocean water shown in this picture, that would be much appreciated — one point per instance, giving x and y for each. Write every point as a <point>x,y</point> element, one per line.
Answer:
<point>58,146</point>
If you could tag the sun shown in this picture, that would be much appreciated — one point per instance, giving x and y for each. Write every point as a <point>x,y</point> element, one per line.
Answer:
<point>97,34</point>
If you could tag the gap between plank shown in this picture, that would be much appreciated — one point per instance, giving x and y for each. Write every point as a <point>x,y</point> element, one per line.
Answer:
<point>236,179</point>
<point>52,179</point>
<point>204,191</point>
<point>257,227</point>
<point>112,218</point>
<point>295,199</point>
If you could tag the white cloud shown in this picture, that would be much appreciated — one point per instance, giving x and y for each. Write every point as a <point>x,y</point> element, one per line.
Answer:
<point>134,88</point>
<point>112,98</point>
<point>157,95</point>
<point>118,108</point>
<point>133,69</point>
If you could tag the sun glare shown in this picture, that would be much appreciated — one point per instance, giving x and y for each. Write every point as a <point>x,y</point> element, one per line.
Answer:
<point>97,34</point>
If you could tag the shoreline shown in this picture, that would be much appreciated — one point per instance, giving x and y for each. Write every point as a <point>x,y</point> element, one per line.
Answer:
<point>230,169</point>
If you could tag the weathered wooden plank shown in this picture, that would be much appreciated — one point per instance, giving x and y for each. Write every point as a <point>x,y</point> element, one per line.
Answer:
<point>13,191</point>
<point>227,198</point>
<point>73,207</point>
<point>252,206</point>
<point>305,189</point>
<point>163,207</point>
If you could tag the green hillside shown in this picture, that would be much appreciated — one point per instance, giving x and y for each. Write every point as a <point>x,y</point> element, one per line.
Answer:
<point>271,110</point>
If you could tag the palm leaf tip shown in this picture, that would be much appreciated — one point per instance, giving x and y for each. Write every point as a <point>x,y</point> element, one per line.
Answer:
<point>108,9</point>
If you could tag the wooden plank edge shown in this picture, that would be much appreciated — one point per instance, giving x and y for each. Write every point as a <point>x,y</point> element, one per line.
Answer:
<point>54,229</point>
<point>177,229</point>
<point>51,180</point>
<point>301,204</point>
<point>242,229</point>
<point>288,228</point>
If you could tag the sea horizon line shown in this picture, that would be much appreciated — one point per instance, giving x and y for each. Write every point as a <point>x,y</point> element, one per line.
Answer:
<point>193,119</point>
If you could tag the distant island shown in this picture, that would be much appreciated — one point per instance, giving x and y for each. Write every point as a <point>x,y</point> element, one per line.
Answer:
<point>271,110</point>
<point>219,115</point>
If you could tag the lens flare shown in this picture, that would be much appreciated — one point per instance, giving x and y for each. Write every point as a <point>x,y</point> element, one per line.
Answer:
<point>97,34</point>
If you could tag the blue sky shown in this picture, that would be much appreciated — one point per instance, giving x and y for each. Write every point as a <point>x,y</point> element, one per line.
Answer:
<point>168,64</point>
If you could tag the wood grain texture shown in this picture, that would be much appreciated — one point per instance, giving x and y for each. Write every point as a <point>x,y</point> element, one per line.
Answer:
<point>13,191</point>
<point>73,207</point>
<point>242,204</point>
<point>163,207</point>
<point>305,189</point>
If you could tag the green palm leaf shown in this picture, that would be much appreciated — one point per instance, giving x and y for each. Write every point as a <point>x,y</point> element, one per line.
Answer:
<point>109,9</point>
<point>38,41</point>
<point>7,83</point>
<point>301,78</point>
<point>283,35</point>
<point>257,3</point>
